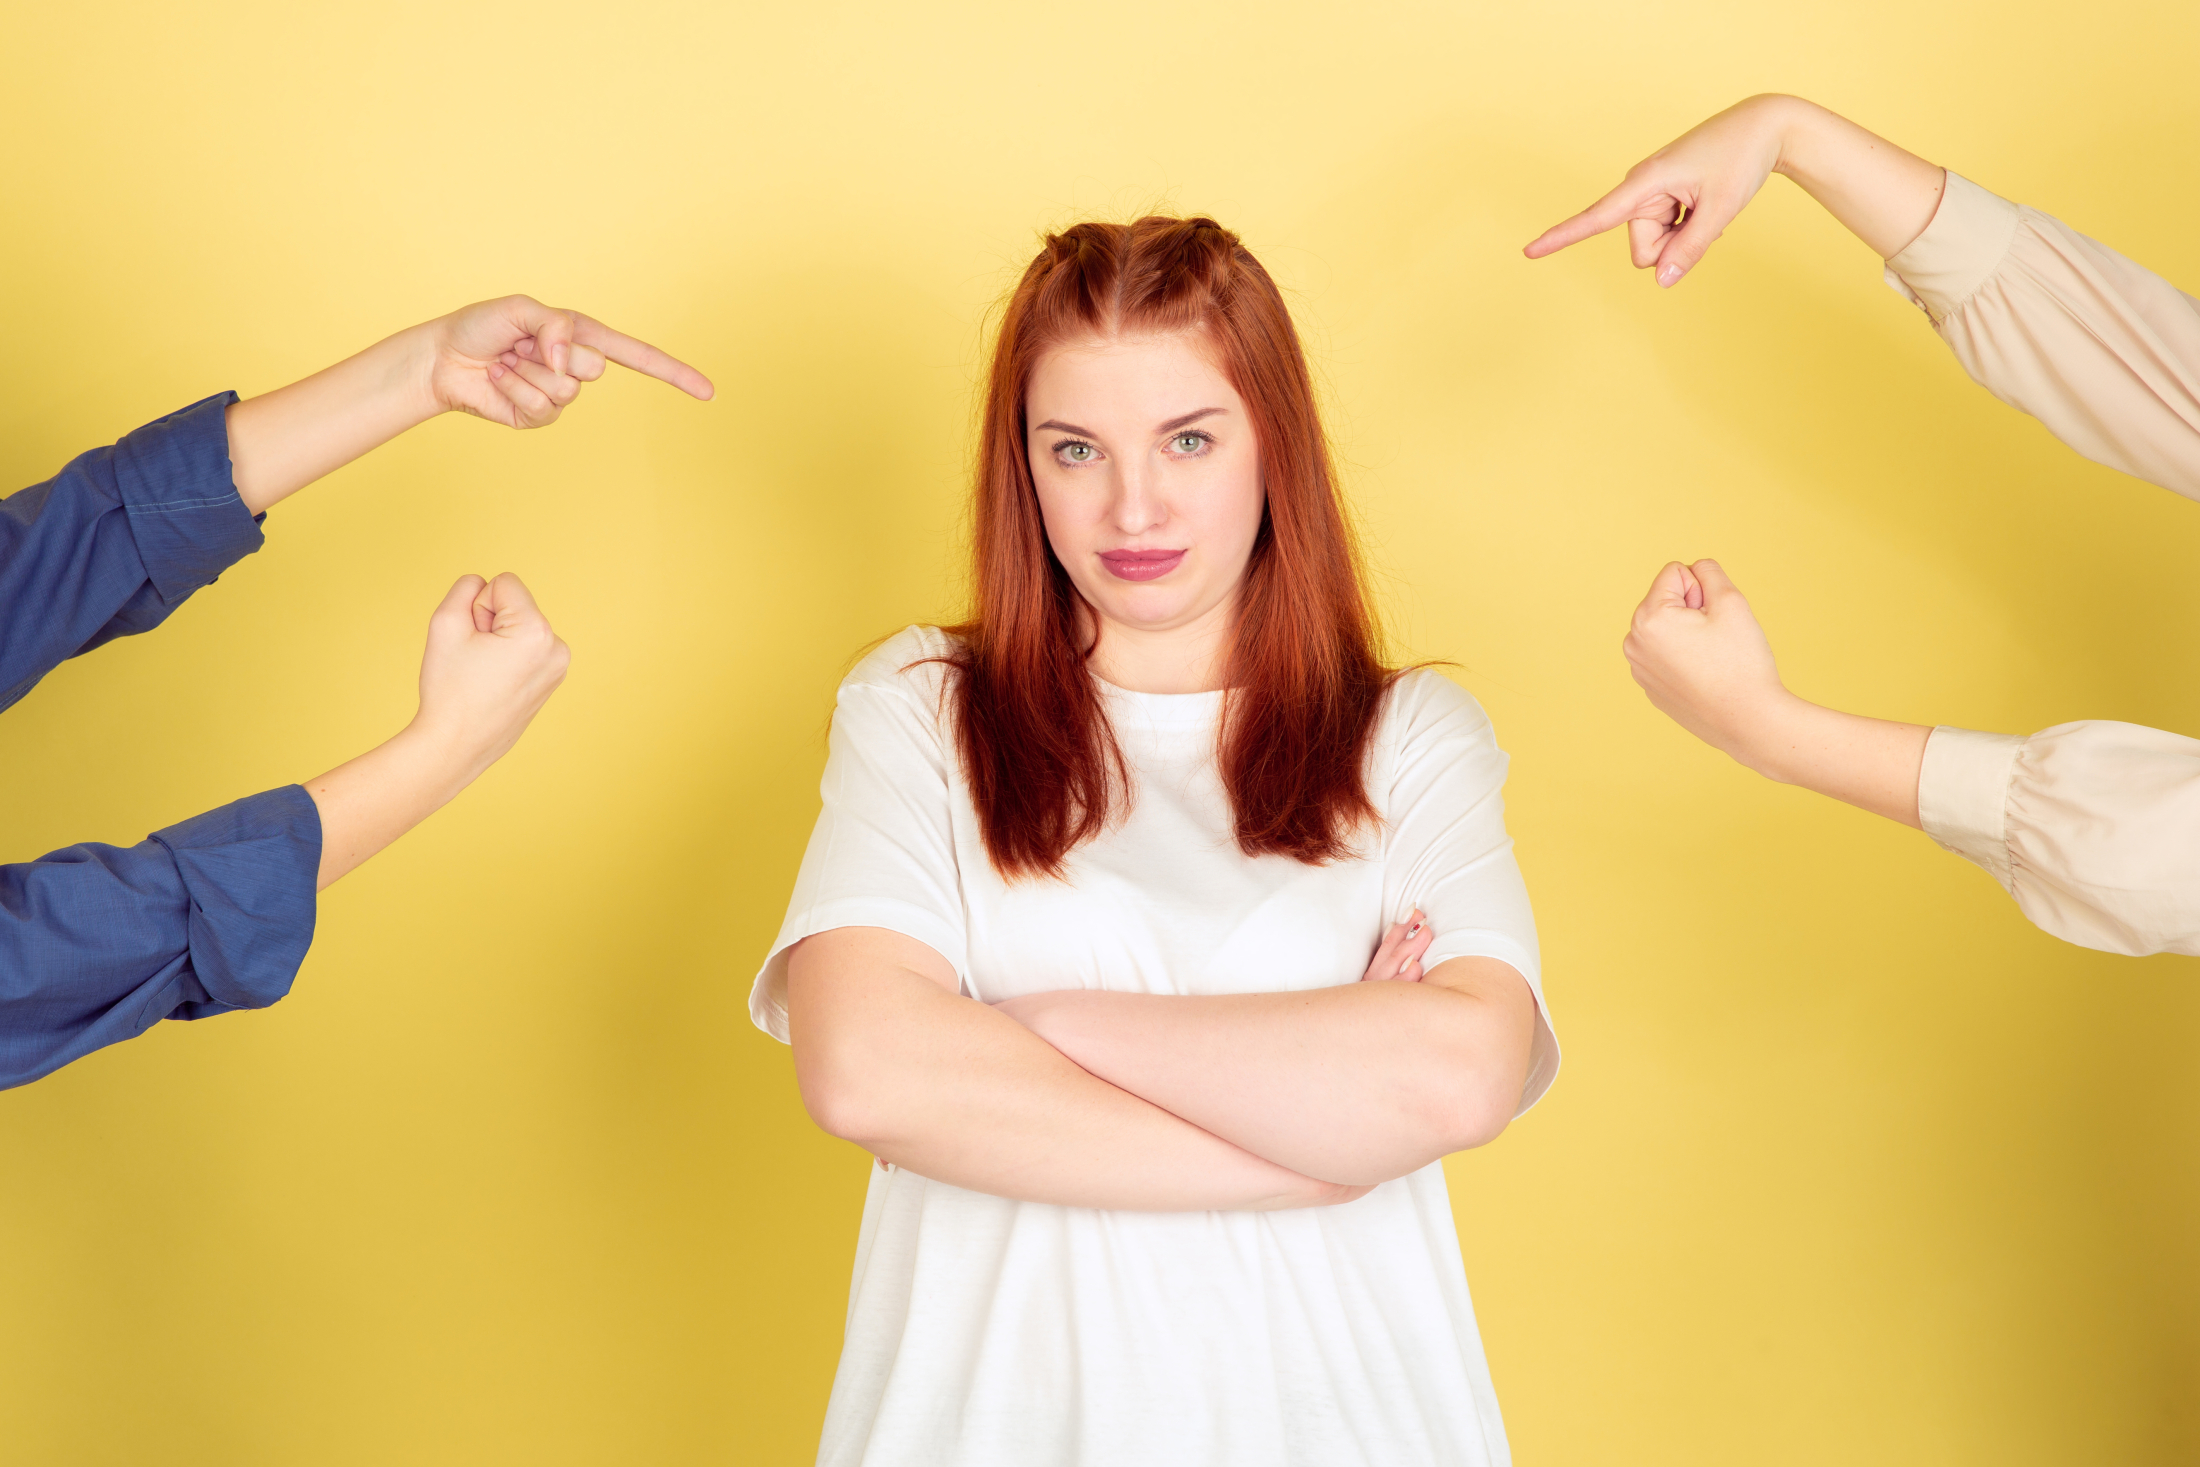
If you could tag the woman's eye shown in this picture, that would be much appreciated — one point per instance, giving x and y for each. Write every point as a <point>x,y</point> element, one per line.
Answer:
<point>1188,442</point>
<point>1077,453</point>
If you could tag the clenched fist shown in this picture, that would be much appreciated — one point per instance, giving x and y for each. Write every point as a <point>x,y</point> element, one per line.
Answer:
<point>492,661</point>
<point>1697,650</point>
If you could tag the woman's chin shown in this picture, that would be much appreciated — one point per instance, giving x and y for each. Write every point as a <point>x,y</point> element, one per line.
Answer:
<point>1148,610</point>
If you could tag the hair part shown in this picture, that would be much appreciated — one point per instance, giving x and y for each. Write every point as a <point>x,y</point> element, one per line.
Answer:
<point>1304,685</point>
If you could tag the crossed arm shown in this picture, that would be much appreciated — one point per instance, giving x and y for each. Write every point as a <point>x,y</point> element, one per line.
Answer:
<point>1157,1103</point>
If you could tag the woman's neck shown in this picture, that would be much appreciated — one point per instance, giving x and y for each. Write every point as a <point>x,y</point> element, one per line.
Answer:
<point>1193,658</point>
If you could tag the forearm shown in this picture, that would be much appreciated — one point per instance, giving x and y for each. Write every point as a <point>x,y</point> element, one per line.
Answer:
<point>1882,194</point>
<point>281,441</point>
<point>954,1091</point>
<point>1355,1084</point>
<point>1871,763</point>
<point>368,802</point>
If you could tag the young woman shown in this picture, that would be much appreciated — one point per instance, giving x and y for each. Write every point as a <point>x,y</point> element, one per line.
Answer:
<point>2093,826</point>
<point>1073,950</point>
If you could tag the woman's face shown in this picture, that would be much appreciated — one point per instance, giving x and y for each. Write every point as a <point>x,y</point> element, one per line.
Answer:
<point>1149,483</point>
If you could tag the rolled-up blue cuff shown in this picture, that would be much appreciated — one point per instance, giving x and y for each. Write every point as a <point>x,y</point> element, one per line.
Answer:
<point>185,513</point>
<point>250,870</point>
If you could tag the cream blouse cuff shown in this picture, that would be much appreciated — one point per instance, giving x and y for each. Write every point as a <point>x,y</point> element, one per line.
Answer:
<point>1959,251</point>
<point>1963,795</point>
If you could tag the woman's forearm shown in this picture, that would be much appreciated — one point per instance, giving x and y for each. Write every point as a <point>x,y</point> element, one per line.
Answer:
<point>1871,763</point>
<point>890,1057</point>
<point>1884,195</point>
<point>281,441</point>
<point>1355,1084</point>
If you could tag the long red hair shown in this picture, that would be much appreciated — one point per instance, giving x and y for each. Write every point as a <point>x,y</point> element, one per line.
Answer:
<point>1304,682</point>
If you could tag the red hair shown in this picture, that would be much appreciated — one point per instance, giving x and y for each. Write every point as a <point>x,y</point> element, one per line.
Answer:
<point>1303,679</point>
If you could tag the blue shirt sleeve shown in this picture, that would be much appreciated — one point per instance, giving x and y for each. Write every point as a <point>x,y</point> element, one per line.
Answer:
<point>99,943</point>
<point>116,541</point>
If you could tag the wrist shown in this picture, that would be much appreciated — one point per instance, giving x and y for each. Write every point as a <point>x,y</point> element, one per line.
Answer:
<point>441,752</point>
<point>1776,738</point>
<point>1789,123</point>
<point>410,379</point>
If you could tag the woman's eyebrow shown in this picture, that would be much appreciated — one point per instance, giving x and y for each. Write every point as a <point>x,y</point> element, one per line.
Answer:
<point>1056,425</point>
<point>1189,418</point>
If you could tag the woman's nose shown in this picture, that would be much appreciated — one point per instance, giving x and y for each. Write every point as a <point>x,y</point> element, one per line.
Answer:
<point>1138,504</point>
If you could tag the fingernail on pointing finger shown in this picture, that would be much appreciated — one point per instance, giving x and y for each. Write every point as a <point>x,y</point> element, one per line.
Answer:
<point>1667,274</point>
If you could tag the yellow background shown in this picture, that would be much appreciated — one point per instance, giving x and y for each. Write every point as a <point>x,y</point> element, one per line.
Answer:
<point>1847,1162</point>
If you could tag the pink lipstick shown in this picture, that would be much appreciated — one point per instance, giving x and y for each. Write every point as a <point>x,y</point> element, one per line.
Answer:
<point>1141,565</point>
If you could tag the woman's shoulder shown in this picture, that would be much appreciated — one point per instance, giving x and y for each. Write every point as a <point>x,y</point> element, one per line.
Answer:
<point>913,662</point>
<point>1424,702</point>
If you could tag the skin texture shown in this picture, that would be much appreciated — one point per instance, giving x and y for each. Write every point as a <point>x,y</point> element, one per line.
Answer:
<point>1694,644</point>
<point>1117,467</point>
<point>1679,200</point>
<point>491,658</point>
<point>1155,1102</point>
<point>513,361</point>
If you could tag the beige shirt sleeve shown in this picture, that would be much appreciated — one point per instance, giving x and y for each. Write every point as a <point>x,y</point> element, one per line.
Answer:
<point>2093,827</point>
<point>2104,352</point>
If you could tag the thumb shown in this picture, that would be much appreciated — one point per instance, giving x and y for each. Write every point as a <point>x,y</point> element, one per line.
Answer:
<point>586,363</point>
<point>1719,590</point>
<point>509,604</point>
<point>554,337</point>
<point>1717,583</point>
<point>456,601</point>
<point>1694,239</point>
<point>1674,589</point>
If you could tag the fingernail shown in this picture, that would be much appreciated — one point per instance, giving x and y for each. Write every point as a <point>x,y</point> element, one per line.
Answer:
<point>496,370</point>
<point>1668,274</point>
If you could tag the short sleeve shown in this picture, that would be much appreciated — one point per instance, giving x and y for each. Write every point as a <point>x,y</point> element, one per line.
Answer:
<point>1446,849</point>
<point>883,851</point>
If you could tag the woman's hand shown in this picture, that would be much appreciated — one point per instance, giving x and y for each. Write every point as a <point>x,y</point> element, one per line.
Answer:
<point>491,662</point>
<point>1696,649</point>
<point>513,361</point>
<point>1398,957</point>
<point>1679,200</point>
<point>519,362</point>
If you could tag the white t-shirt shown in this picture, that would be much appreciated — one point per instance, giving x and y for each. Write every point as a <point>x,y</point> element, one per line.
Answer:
<point>984,1332</point>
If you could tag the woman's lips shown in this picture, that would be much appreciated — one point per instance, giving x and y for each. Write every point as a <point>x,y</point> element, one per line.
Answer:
<point>1141,565</point>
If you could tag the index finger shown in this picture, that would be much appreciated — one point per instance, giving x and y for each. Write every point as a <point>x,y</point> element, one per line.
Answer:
<point>641,357</point>
<point>1609,212</point>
